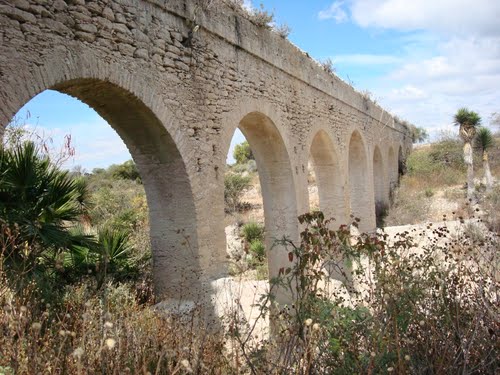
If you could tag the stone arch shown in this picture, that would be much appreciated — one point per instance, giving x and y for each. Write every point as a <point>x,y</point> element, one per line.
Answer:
<point>140,124</point>
<point>379,183</point>
<point>392,163</point>
<point>329,177</point>
<point>361,202</point>
<point>277,185</point>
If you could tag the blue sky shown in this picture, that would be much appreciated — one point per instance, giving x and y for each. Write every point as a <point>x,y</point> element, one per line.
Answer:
<point>420,59</point>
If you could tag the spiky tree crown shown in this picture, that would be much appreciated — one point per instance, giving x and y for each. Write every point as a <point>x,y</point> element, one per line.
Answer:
<point>468,122</point>
<point>484,139</point>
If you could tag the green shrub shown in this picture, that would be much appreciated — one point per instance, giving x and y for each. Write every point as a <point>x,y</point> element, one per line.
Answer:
<point>39,206</point>
<point>126,171</point>
<point>252,231</point>
<point>243,153</point>
<point>258,250</point>
<point>420,162</point>
<point>234,186</point>
<point>448,153</point>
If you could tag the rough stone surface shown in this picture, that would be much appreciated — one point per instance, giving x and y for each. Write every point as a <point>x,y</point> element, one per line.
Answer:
<point>176,97</point>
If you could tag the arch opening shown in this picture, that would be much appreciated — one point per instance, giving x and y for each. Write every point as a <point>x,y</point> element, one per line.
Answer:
<point>393,171</point>
<point>361,204</point>
<point>172,214</point>
<point>277,186</point>
<point>244,209</point>
<point>329,181</point>
<point>378,187</point>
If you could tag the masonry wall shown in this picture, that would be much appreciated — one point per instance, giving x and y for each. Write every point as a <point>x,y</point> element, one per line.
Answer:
<point>176,97</point>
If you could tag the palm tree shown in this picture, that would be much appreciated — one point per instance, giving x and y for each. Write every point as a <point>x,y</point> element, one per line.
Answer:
<point>468,122</point>
<point>484,141</point>
<point>40,204</point>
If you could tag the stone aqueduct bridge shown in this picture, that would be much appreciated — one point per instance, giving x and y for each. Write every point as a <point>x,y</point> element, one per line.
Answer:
<point>176,97</point>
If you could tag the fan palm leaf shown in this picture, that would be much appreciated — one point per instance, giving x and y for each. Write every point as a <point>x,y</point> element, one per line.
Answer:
<point>40,200</point>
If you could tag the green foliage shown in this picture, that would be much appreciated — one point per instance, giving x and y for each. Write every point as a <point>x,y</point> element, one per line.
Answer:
<point>126,171</point>
<point>39,204</point>
<point>468,122</point>
<point>258,250</point>
<point>114,254</point>
<point>418,134</point>
<point>411,312</point>
<point>234,186</point>
<point>447,154</point>
<point>243,153</point>
<point>43,212</point>
<point>484,139</point>
<point>252,231</point>
<point>444,155</point>
<point>466,117</point>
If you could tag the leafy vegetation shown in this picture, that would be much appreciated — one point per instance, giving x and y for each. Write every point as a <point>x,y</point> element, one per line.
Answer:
<point>253,233</point>
<point>399,309</point>
<point>418,134</point>
<point>411,312</point>
<point>234,186</point>
<point>39,207</point>
<point>243,153</point>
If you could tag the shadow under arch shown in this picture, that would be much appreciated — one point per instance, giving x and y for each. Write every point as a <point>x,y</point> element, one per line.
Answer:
<point>361,204</point>
<point>329,177</point>
<point>379,185</point>
<point>173,222</point>
<point>277,185</point>
<point>392,164</point>
<point>401,163</point>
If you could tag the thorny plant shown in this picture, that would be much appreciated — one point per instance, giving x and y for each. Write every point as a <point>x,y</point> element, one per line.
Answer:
<point>427,310</point>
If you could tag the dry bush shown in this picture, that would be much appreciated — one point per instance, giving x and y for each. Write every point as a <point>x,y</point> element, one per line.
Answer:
<point>81,335</point>
<point>427,311</point>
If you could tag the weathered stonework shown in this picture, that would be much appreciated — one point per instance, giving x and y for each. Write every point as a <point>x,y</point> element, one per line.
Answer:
<point>175,95</point>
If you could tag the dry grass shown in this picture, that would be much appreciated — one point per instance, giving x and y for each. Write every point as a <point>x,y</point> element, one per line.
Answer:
<point>85,335</point>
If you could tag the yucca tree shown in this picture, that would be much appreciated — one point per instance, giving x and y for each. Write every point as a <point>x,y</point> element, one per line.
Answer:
<point>40,204</point>
<point>468,122</point>
<point>484,141</point>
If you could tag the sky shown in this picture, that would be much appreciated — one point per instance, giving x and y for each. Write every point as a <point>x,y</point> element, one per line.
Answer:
<point>420,59</point>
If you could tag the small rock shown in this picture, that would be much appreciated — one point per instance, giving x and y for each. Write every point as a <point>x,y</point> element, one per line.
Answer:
<point>141,53</point>
<point>86,37</point>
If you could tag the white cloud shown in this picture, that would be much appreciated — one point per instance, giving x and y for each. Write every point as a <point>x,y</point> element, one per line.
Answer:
<point>450,59</point>
<point>334,12</point>
<point>464,17</point>
<point>409,92</point>
<point>366,59</point>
